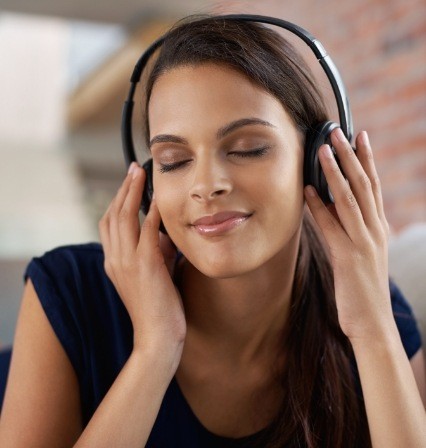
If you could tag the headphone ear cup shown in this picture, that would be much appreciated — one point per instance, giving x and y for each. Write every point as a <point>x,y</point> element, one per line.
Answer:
<point>148,192</point>
<point>312,171</point>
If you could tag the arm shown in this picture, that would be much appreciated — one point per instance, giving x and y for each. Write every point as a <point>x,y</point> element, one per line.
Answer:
<point>357,232</point>
<point>42,407</point>
<point>127,413</point>
<point>419,369</point>
<point>136,261</point>
<point>139,263</point>
<point>394,407</point>
<point>42,404</point>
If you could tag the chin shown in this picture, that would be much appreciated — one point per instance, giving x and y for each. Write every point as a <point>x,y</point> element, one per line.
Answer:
<point>237,256</point>
<point>223,272</point>
<point>225,265</point>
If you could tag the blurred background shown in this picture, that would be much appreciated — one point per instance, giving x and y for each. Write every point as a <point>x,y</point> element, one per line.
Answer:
<point>64,74</point>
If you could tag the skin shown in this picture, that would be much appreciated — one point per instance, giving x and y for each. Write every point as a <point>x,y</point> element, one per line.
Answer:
<point>221,360</point>
<point>244,275</point>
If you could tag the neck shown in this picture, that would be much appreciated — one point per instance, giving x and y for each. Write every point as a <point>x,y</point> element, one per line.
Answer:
<point>241,320</point>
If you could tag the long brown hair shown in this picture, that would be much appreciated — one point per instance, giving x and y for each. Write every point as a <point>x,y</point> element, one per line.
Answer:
<point>321,407</point>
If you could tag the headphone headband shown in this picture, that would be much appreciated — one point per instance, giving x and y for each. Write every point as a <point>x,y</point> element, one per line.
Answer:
<point>333,75</point>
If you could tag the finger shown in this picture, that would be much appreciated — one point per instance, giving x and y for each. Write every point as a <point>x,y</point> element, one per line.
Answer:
<point>366,158</point>
<point>115,207</point>
<point>332,209</point>
<point>120,197</point>
<point>150,228</point>
<point>128,217</point>
<point>104,221</point>
<point>105,237</point>
<point>359,180</point>
<point>169,251</point>
<point>346,204</point>
<point>104,233</point>
<point>328,224</point>
<point>103,228</point>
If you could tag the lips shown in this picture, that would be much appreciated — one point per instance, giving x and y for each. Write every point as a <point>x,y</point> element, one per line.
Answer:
<point>220,222</point>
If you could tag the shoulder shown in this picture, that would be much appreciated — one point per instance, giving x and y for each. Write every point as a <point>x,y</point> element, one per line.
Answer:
<point>68,266</point>
<point>83,254</point>
<point>77,296</point>
<point>86,314</point>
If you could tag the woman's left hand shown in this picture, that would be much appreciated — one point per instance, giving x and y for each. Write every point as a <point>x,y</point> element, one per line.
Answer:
<point>357,234</point>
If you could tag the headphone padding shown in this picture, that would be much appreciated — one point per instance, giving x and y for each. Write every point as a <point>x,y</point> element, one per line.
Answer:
<point>312,171</point>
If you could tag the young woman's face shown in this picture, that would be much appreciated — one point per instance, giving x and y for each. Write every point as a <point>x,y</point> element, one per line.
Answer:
<point>226,152</point>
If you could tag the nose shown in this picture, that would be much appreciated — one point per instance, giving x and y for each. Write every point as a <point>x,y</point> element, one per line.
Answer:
<point>210,180</point>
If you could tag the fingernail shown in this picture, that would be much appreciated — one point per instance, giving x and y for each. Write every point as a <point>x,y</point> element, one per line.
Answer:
<point>131,167</point>
<point>327,152</point>
<point>340,135</point>
<point>364,138</point>
<point>310,191</point>
<point>136,171</point>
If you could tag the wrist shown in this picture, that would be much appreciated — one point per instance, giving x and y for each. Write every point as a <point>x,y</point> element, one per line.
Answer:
<point>383,338</point>
<point>165,357</point>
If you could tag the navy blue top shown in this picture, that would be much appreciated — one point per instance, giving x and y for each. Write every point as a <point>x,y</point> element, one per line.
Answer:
<point>95,330</point>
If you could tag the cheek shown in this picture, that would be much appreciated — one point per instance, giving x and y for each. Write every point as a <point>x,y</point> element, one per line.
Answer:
<point>170,200</point>
<point>283,203</point>
<point>284,182</point>
<point>275,190</point>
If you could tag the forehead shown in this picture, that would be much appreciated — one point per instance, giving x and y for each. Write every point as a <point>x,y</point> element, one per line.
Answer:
<point>208,93</point>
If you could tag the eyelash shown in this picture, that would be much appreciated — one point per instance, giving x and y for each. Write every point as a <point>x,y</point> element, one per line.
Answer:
<point>258,152</point>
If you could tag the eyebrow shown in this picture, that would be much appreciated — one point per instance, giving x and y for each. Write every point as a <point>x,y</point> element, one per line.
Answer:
<point>222,132</point>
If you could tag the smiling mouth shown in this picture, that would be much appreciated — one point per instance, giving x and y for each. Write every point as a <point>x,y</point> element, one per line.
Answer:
<point>219,228</point>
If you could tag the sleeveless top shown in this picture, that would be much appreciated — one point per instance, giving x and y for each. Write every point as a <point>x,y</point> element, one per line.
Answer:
<point>94,328</point>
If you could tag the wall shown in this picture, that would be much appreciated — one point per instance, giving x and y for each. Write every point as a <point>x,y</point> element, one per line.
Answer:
<point>380,49</point>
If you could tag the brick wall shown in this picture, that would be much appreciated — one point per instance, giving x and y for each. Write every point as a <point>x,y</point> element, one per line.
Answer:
<point>379,47</point>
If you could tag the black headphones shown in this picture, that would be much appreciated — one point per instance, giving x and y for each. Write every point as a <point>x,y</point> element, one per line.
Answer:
<point>320,134</point>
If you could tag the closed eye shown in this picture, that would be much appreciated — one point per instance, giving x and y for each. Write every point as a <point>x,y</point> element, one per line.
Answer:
<point>166,167</point>
<point>258,152</point>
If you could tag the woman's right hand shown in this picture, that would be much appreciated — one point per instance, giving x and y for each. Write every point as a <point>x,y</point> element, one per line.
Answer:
<point>140,265</point>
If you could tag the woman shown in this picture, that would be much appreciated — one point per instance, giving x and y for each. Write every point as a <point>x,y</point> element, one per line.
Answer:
<point>256,334</point>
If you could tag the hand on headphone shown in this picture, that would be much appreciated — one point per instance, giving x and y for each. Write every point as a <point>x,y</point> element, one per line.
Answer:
<point>141,268</point>
<point>357,232</point>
